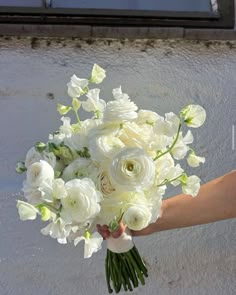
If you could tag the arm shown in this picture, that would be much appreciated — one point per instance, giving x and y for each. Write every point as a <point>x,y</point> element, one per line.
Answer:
<point>215,201</point>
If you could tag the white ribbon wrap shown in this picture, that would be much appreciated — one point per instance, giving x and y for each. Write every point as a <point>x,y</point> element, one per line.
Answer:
<point>122,244</point>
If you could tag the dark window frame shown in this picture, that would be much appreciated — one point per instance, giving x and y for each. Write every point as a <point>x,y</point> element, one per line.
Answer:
<point>107,17</point>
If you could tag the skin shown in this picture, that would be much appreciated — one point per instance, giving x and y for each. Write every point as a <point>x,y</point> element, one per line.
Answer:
<point>215,201</point>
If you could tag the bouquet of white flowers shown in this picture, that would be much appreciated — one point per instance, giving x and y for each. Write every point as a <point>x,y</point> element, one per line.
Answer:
<point>102,177</point>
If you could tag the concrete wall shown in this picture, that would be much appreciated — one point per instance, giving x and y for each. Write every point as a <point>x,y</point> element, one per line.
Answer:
<point>158,75</point>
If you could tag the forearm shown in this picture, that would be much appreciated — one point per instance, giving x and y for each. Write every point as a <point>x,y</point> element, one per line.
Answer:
<point>215,201</point>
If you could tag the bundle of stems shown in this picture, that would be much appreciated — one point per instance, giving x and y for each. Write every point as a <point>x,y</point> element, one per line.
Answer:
<point>124,270</point>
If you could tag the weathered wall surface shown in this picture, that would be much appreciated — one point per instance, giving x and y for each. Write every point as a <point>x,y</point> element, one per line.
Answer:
<point>158,75</point>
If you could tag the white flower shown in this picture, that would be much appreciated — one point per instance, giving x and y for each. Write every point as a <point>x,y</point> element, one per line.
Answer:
<point>147,117</point>
<point>58,229</point>
<point>98,74</point>
<point>168,126</point>
<point>32,194</point>
<point>26,211</point>
<point>80,168</point>
<point>194,160</point>
<point>82,202</point>
<point>118,94</point>
<point>91,244</point>
<point>38,172</point>
<point>132,170</point>
<point>194,115</point>
<point>93,103</point>
<point>33,156</point>
<point>181,148</point>
<point>104,184</point>
<point>120,110</point>
<point>191,186</point>
<point>53,189</point>
<point>76,86</point>
<point>66,128</point>
<point>137,217</point>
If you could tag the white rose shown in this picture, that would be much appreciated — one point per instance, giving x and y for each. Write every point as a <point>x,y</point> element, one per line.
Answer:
<point>191,185</point>
<point>38,172</point>
<point>76,86</point>
<point>26,211</point>
<point>194,160</point>
<point>194,115</point>
<point>93,103</point>
<point>120,110</point>
<point>82,202</point>
<point>80,168</point>
<point>98,74</point>
<point>137,217</point>
<point>132,170</point>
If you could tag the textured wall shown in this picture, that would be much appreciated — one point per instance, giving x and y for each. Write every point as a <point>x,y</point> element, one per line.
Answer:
<point>158,75</point>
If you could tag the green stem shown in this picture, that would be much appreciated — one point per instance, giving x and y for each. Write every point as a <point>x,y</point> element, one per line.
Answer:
<point>136,267</point>
<point>171,147</point>
<point>139,260</point>
<point>169,181</point>
<point>77,116</point>
<point>130,270</point>
<point>108,274</point>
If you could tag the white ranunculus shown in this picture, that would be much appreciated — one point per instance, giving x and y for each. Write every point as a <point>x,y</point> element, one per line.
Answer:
<point>57,229</point>
<point>194,115</point>
<point>137,217</point>
<point>98,74</point>
<point>104,184</point>
<point>38,172</point>
<point>92,244</point>
<point>94,103</point>
<point>26,211</point>
<point>120,110</point>
<point>80,168</point>
<point>82,202</point>
<point>76,86</point>
<point>132,170</point>
<point>191,185</point>
<point>33,156</point>
<point>180,150</point>
<point>168,126</point>
<point>194,160</point>
<point>147,117</point>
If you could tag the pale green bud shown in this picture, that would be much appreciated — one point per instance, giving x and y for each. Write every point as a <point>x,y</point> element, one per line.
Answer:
<point>63,110</point>
<point>40,146</point>
<point>45,213</point>
<point>20,167</point>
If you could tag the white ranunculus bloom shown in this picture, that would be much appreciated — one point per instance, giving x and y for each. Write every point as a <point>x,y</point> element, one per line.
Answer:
<point>76,86</point>
<point>147,117</point>
<point>58,229</point>
<point>194,115</point>
<point>132,170</point>
<point>137,217</point>
<point>80,168</point>
<point>181,148</point>
<point>194,160</point>
<point>104,184</point>
<point>93,103</point>
<point>82,202</point>
<point>120,110</point>
<point>168,126</point>
<point>92,244</point>
<point>38,172</point>
<point>26,211</point>
<point>191,185</point>
<point>98,74</point>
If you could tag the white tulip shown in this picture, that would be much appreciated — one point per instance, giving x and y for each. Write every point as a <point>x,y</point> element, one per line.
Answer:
<point>194,160</point>
<point>26,211</point>
<point>191,186</point>
<point>132,170</point>
<point>38,172</point>
<point>82,201</point>
<point>194,115</point>
<point>76,86</point>
<point>92,244</point>
<point>137,217</point>
<point>94,103</point>
<point>98,74</point>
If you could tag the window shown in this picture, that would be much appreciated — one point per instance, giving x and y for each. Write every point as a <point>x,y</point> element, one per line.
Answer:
<point>184,13</point>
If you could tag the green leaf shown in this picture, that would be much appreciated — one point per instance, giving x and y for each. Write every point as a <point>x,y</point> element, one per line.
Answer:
<point>40,146</point>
